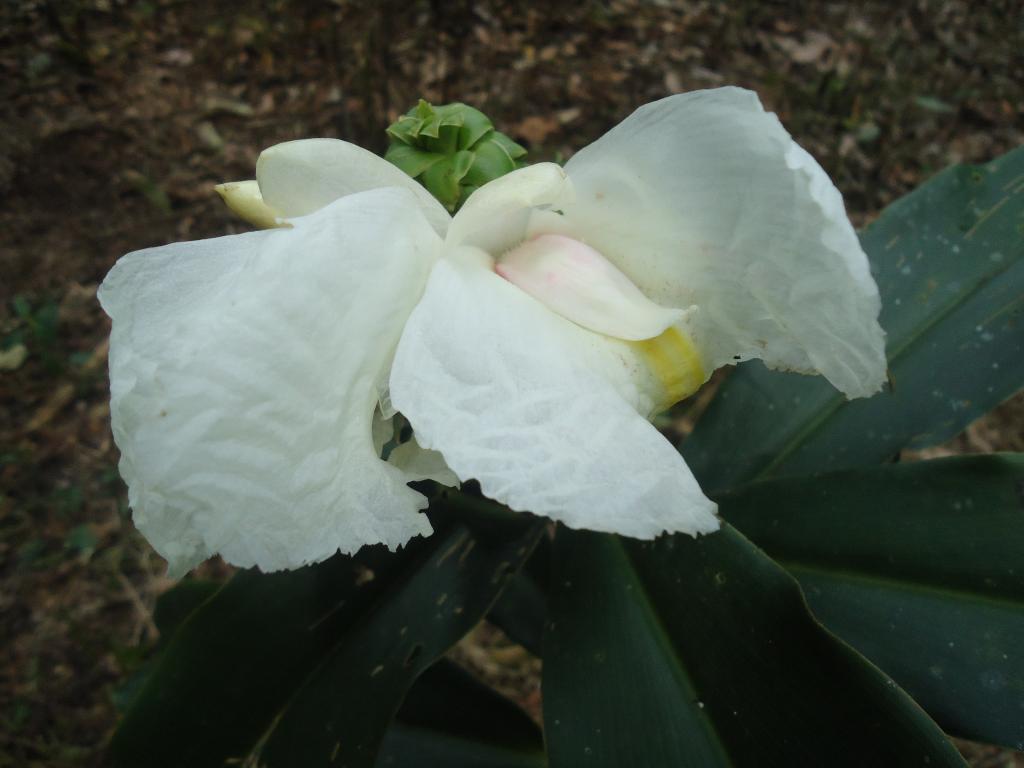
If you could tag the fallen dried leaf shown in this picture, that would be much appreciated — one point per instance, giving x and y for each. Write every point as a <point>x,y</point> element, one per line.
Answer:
<point>814,46</point>
<point>536,129</point>
<point>11,359</point>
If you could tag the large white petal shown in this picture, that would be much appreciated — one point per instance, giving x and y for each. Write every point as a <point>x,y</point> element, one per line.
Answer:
<point>704,199</point>
<point>541,411</point>
<point>244,379</point>
<point>299,177</point>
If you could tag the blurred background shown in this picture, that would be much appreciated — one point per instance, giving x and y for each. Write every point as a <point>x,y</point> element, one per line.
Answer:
<point>119,116</point>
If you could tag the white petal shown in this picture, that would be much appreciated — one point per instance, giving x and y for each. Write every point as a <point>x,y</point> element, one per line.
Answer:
<point>704,199</point>
<point>299,177</point>
<point>495,217</point>
<point>542,412</point>
<point>245,199</point>
<point>577,282</point>
<point>244,378</point>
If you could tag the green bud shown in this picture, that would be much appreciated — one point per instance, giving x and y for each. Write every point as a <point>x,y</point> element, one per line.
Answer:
<point>451,150</point>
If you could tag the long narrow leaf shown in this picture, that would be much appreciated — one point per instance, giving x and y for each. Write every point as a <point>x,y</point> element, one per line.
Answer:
<point>703,653</point>
<point>450,720</point>
<point>301,667</point>
<point>918,566</point>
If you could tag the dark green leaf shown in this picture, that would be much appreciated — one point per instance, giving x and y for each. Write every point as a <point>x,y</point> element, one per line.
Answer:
<point>172,608</point>
<point>450,720</point>
<point>521,609</point>
<point>918,566</point>
<point>949,261</point>
<point>177,604</point>
<point>420,619</point>
<point>306,666</point>
<point>702,652</point>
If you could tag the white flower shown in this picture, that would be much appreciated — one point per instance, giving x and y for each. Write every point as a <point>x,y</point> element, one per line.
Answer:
<point>253,377</point>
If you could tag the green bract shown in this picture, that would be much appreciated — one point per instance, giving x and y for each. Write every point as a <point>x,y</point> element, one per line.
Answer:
<point>451,150</point>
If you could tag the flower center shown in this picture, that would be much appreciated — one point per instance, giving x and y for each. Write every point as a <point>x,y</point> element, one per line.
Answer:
<point>577,282</point>
<point>580,284</point>
<point>675,364</point>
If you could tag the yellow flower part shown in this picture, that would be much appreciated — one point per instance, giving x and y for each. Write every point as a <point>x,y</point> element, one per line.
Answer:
<point>675,364</point>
